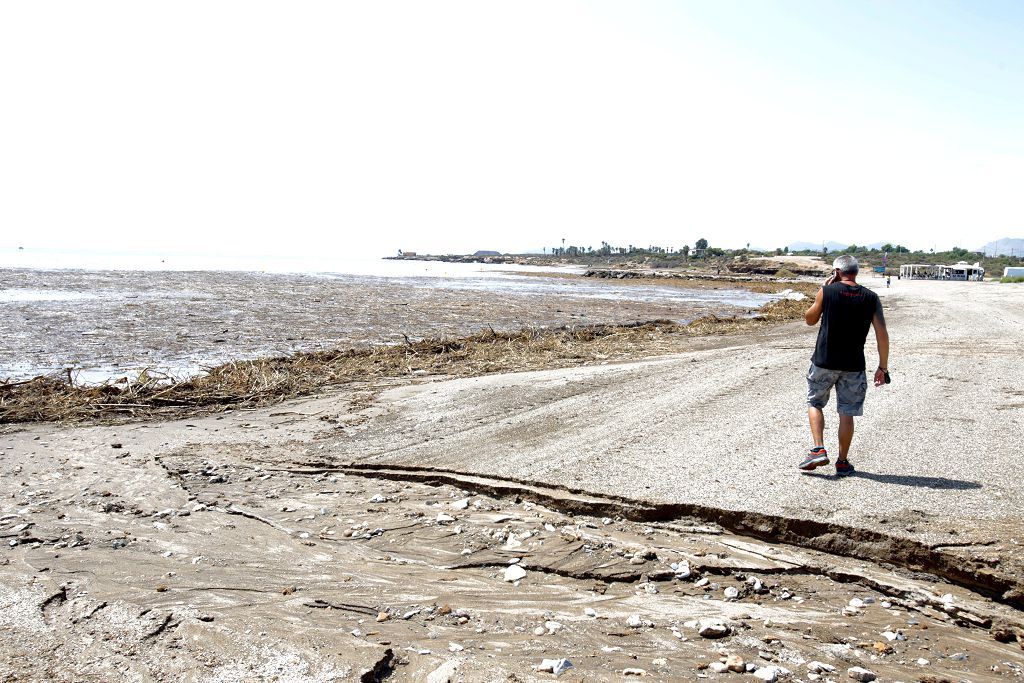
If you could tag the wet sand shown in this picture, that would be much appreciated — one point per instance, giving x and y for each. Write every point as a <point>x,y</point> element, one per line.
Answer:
<point>109,323</point>
<point>266,544</point>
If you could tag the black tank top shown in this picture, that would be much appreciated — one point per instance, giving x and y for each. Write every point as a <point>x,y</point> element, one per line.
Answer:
<point>846,314</point>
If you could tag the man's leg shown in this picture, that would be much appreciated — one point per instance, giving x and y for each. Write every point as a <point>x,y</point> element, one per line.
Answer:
<point>817,419</point>
<point>845,435</point>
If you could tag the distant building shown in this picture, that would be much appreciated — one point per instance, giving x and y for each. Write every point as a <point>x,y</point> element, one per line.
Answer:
<point>937,271</point>
<point>1013,271</point>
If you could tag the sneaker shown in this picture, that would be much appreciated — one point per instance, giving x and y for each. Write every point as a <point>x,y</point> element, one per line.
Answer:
<point>844,468</point>
<point>816,457</point>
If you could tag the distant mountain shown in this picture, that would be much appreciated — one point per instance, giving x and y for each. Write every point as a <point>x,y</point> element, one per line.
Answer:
<point>485,252</point>
<point>816,246</point>
<point>1008,246</point>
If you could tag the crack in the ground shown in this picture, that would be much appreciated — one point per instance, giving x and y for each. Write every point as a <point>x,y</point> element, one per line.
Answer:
<point>826,537</point>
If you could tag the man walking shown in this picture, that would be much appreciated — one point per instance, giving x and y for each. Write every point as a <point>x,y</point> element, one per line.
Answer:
<point>846,311</point>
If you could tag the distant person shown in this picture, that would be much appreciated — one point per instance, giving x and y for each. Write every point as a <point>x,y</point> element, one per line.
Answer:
<point>888,281</point>
<point>846,310</point>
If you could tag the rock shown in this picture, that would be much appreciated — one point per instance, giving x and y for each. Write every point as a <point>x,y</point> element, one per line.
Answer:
<point>718,667</point>
<point>713,628</point>
<point>650,589</point>
<point>443,673</point>
<point>731,593</point>
<point>634,672</point>
<point>455,647</point>
<point>634,621</point>
<point>606,521</point>
<point>514,573</point>
<point>552,626</point>
<point>636,559</point>
<point>461,504</point>
<point>682,570</point>
<point>442,518</point>
<point>589,611</point>
<point>923,662</point>
<point>539,631</point>
<point>767,673</point>
<point>735,663</point>
<point>378,499</point>
<point>858,673</point>
<point>820,668</point>
<point>554,666</point>
<point>856,603</point>
<point>382,616</point>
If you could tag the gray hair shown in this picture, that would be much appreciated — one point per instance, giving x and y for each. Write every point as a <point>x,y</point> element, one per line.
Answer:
<point>846,264</point>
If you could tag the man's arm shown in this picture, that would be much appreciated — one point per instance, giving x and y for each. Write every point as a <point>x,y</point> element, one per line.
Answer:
<point>813,314</point>
<point>882,339</point>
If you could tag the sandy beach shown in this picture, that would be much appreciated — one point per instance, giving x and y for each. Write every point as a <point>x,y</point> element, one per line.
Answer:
<point>653,506</point>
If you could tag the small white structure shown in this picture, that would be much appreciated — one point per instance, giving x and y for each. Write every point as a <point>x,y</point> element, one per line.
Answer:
<point>963,271</point>
<point>920,271</point>
<point>1013,271</point>
<point>935,271</point>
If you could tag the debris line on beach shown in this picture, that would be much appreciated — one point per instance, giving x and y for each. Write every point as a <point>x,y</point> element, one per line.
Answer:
<point>250,383</point>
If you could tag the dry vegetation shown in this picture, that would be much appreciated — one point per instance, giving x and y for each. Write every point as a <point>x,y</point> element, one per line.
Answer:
<point>265,381</point>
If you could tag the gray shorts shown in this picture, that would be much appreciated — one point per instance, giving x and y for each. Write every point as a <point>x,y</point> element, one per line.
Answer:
<point>851,388</point>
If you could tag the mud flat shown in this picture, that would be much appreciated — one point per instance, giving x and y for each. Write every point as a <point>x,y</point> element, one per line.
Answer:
<point>106,324</point>
<point>366,534</point>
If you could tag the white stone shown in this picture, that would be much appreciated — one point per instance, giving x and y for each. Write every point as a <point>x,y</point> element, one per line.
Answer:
<point>718,667</point>
<point>767,673</point>
<point>923,662</point>
<point>858,673</point>
<point>539,631</point>
<point>820,668</point>
<point>455,647</point>
<point>589,611</point>
<point>731,593</point>
<point>444,673</point>
<point>552,626</point>
<point>634,621</point>
<point>554,666</point>
<point>514,573</point>
<point>461,504</point>
<point>442,518</point>
<point>713,628</point>
<point>856,603</point>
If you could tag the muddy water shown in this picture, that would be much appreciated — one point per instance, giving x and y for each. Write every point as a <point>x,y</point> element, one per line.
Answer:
<point>108,323</point>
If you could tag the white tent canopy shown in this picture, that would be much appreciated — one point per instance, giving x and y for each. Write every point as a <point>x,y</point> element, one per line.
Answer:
<point>936,271</point>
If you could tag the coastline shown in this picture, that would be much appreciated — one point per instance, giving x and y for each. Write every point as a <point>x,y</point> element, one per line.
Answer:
<point>252,383</point>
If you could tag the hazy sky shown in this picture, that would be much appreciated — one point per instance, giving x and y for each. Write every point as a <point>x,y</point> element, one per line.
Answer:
<point>292,128</point>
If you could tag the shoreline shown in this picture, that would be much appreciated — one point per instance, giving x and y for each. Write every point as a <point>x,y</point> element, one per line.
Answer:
<point>263,381</point>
